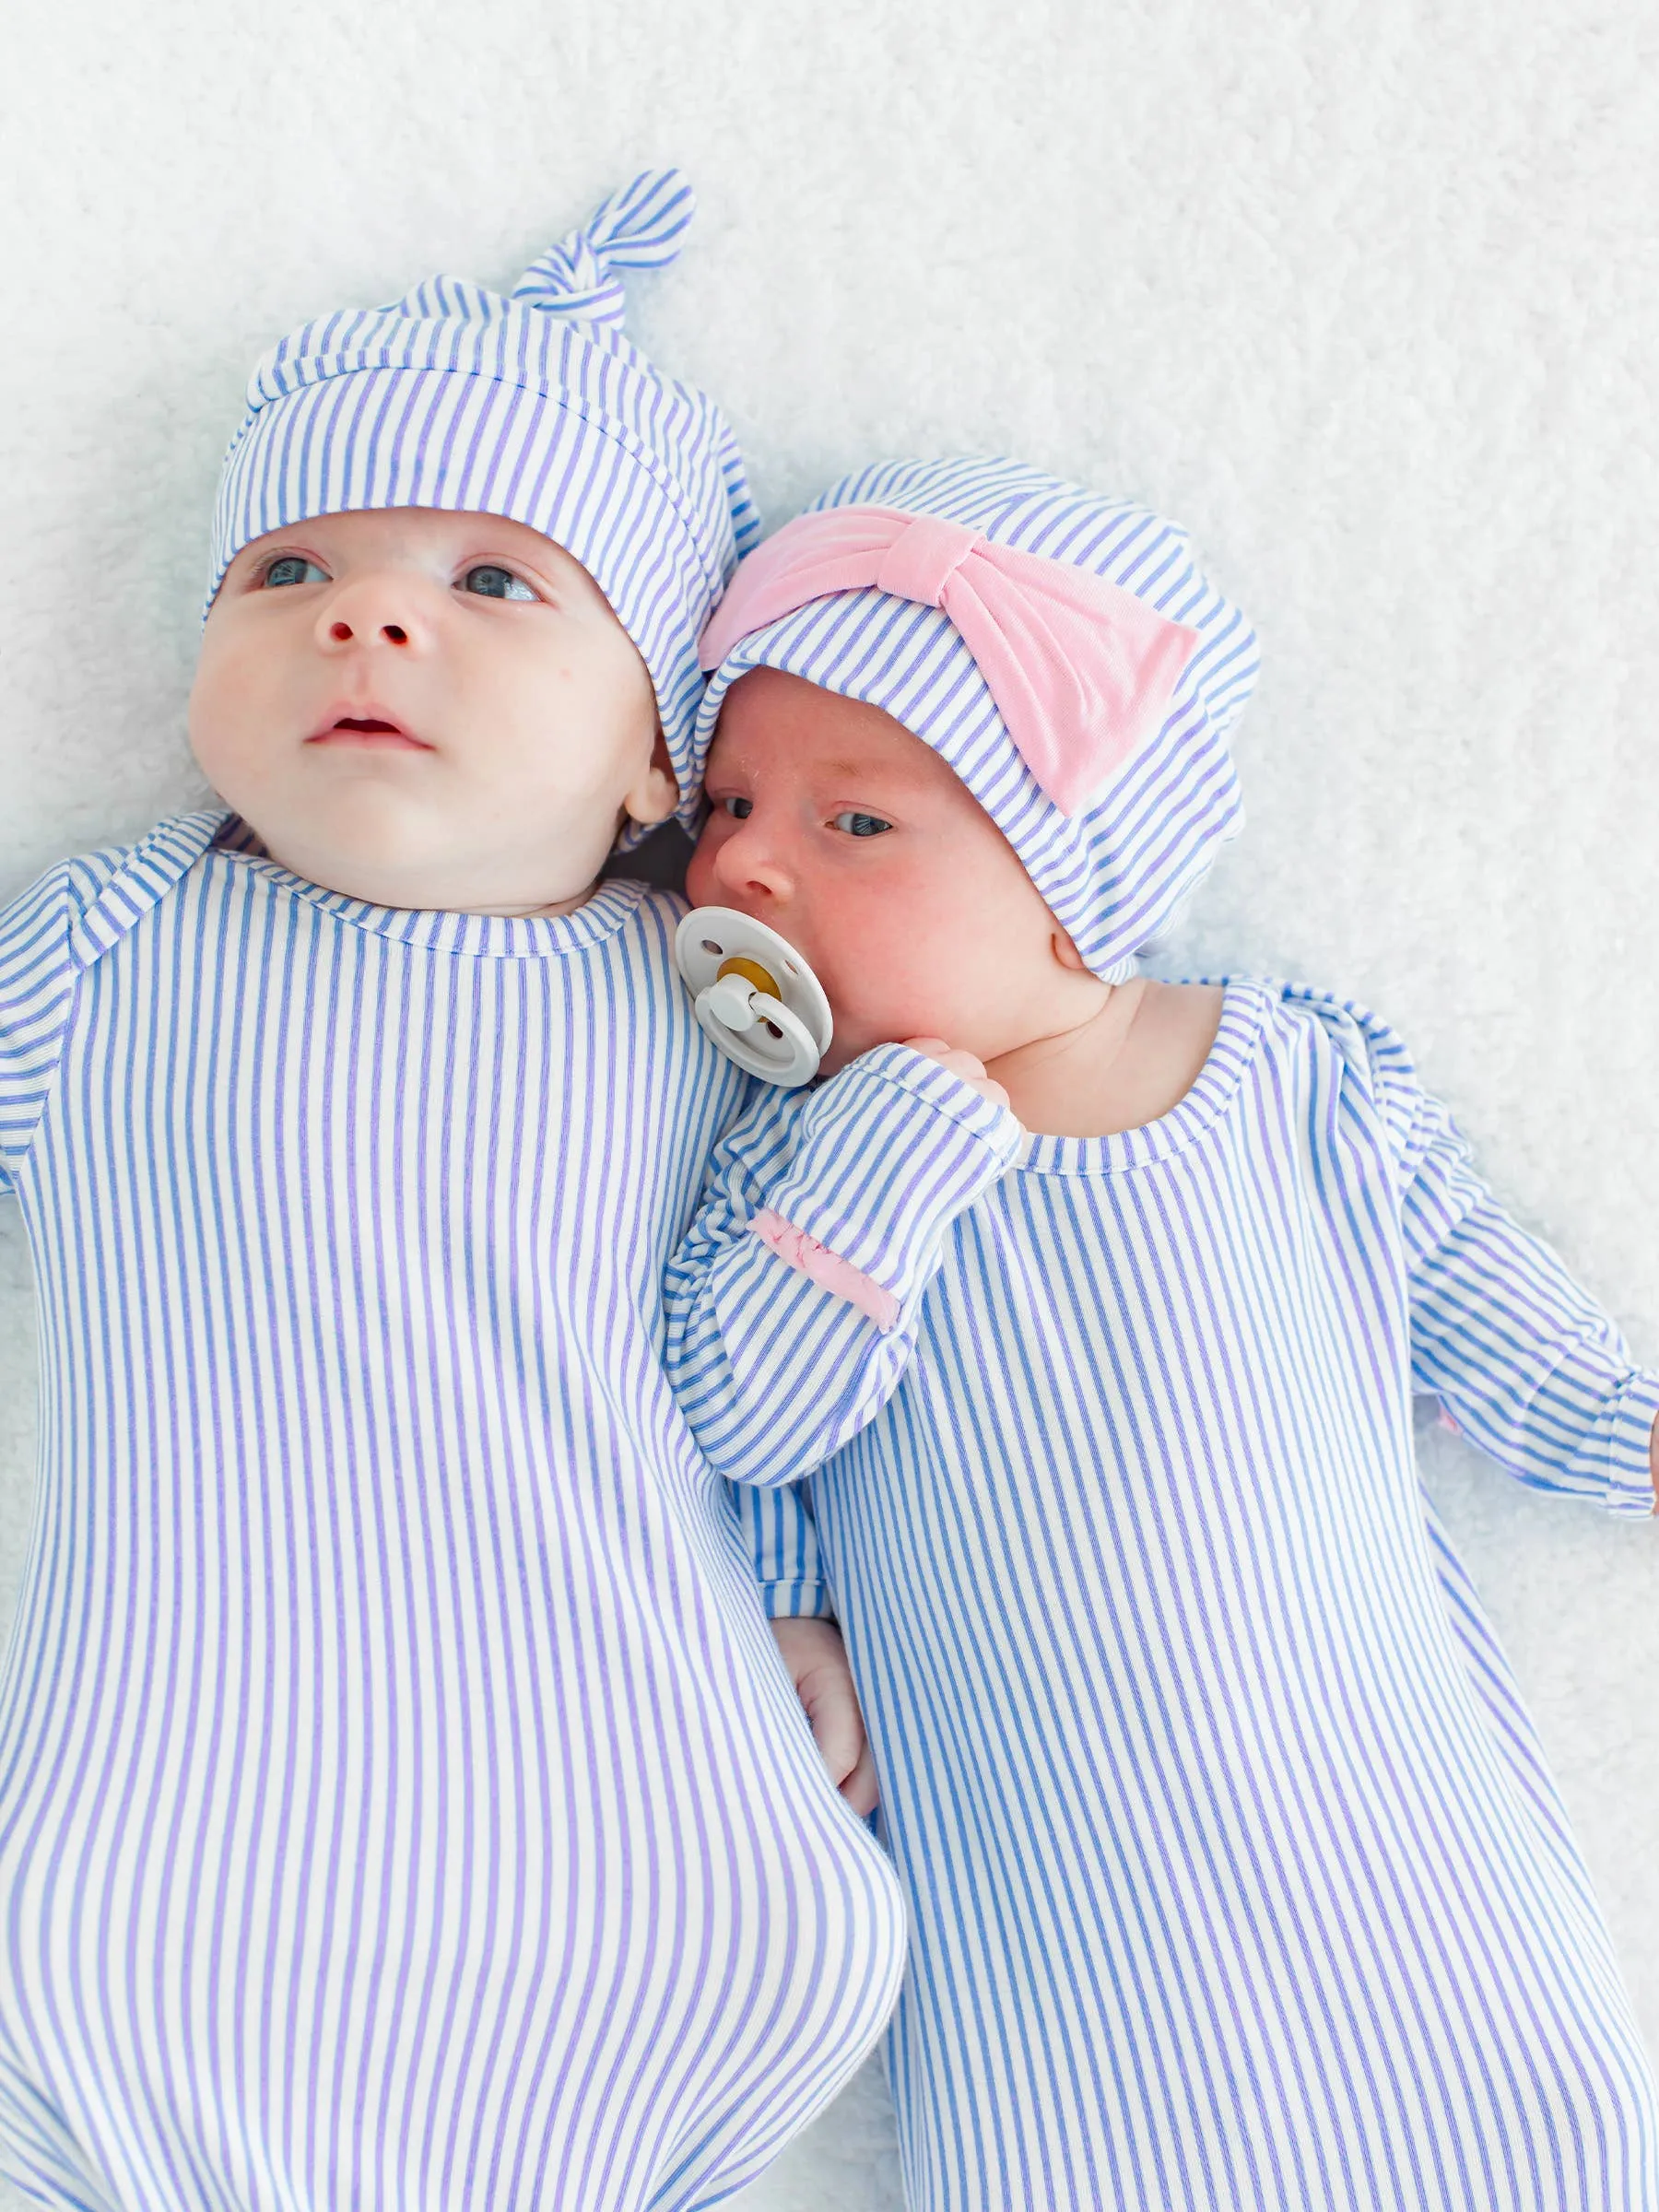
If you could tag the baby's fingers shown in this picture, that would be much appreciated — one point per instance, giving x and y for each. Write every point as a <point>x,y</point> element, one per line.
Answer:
<point>837,1723</point>
<point>958,1063</point>
<point>816,1660</point>
<point>859,1787</point>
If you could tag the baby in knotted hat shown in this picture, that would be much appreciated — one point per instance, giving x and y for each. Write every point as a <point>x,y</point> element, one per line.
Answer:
<point>1237,1878</point>
<point>462,549</point>
<point>401,1801</point>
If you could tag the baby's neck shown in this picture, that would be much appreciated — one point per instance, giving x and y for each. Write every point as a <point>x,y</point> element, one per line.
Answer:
<point>402,894</point>
<point>1127,1063</point>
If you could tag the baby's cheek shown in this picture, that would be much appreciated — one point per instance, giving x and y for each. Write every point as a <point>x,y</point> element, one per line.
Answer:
<point>700,873</point>
<point>891,971</point>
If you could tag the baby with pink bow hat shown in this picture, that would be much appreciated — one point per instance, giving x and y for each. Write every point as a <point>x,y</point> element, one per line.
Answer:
<point>1094,1306</point>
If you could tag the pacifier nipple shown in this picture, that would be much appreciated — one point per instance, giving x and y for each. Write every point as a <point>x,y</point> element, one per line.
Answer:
<point>753,994</point>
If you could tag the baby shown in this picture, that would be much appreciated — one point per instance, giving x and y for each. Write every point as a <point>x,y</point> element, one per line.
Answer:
<point>1237,1877</point>
<point>401,1802</point>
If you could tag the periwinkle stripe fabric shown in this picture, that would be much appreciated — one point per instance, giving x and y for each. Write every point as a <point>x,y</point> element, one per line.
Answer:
<point>1116,874</point>
<point>1237,1875</point>
<point>884,1214</point>
<point>782,1544</point>
<point>433,383</point>
<point>638,228</point>
<point>400,1799</point>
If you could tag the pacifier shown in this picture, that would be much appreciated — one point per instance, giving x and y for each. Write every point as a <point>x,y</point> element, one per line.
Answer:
<point>754,994</point>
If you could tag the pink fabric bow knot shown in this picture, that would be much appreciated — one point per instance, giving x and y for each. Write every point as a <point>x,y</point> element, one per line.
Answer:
<point>1082,671</point>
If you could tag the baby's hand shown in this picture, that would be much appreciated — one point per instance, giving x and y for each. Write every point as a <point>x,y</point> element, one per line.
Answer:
<point>816,1660</point>
<point>971,1071</point>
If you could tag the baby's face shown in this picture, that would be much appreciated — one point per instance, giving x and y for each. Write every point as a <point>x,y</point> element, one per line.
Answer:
<point>839,829</point>
<point>427,710</point>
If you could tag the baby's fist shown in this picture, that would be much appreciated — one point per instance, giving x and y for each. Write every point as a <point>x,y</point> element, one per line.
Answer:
<point>816,1660</point>
<point>971,1071</point>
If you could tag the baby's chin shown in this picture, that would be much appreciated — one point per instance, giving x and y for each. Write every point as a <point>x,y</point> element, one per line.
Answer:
<point>364,843</point>
<point>368,846</point>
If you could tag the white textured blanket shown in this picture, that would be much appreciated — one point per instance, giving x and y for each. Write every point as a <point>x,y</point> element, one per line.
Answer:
<point>1364,296</point>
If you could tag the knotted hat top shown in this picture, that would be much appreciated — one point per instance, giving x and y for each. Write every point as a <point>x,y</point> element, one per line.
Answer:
<point>533,407</point>
<point>1061,651</point>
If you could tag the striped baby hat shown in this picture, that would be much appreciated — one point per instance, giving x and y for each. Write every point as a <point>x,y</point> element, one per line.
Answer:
<point>535,407</point>
<point>1114,869</point>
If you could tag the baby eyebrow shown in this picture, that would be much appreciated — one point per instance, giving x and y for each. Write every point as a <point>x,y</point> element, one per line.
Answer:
<point>865,775</point>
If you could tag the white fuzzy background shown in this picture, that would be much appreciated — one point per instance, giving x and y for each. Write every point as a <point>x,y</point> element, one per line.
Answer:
<point>1365,294</point>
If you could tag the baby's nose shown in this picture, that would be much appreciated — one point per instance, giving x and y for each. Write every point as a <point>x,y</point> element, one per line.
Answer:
<point>372,609</point>
<point>394,632</point>
<point>751,863</point>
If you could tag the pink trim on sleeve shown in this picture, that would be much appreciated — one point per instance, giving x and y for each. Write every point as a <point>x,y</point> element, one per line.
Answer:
<point>825,1268</point>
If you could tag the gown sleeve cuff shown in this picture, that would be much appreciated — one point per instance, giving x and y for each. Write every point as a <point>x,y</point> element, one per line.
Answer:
<point>892,1150</point>
<point>1616,1453</point>
<point>798,1600</point>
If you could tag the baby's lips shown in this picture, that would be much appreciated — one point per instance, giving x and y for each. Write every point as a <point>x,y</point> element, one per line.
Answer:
<point>368,729</point>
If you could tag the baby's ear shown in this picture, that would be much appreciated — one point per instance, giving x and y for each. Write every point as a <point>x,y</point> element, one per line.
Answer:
<point>656,794</point>
<point>1067,953</point>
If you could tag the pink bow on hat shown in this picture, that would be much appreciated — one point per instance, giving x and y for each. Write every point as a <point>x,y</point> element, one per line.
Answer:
<point>1082,671</point>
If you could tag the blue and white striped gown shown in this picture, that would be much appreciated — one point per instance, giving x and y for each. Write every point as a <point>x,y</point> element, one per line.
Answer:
<point>401,1804</point>
<point>1237,1878</point>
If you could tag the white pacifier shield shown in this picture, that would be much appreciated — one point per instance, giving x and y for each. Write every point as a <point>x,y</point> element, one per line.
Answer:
<point>754,994</point>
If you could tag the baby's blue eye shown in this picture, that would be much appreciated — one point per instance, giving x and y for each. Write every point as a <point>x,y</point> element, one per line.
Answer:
<point>491,583</point>
<point>739,809</point>
<point>862,825</point>
<point>292,567</point>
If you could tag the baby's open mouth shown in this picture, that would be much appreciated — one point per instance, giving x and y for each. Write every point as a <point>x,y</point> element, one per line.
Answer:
<point>368,729</point>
